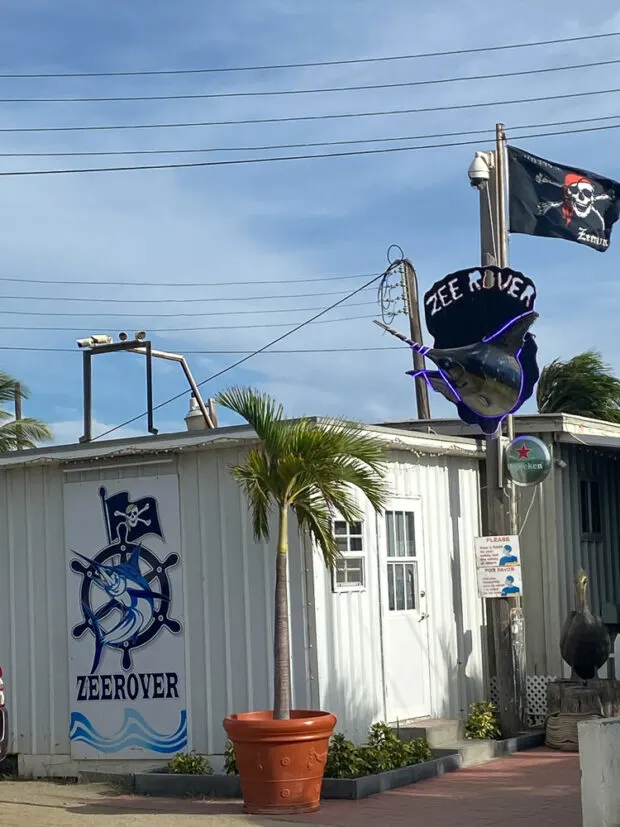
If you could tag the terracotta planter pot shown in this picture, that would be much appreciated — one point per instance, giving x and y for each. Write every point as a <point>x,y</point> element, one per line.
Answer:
<point>281,763</point>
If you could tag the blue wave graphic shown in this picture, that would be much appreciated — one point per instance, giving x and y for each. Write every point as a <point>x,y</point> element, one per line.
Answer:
<point>135,732</point>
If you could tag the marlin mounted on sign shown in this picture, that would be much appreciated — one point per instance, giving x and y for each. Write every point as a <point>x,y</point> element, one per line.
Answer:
<point>129,593</point>
<point>487,376</point>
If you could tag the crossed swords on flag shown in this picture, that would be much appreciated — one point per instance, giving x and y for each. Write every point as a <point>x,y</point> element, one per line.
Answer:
<point>580,193</point>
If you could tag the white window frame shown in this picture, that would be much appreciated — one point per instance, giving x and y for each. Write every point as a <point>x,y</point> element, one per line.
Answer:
<point>349,554</point>
<point>405,560</point>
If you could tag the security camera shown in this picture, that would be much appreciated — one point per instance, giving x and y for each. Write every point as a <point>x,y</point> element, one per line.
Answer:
<point>479,170</point>
<point>94,340</point>
<point>122,337</point>
<point>140,335</point>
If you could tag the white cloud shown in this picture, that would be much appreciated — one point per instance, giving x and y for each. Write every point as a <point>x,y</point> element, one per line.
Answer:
<point>69,431</point>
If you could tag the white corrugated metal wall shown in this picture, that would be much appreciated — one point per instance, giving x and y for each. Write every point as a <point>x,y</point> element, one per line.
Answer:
<point>553,549</point>
<point>229,600</point>
<point>349,624</point>
<point>228,623</point>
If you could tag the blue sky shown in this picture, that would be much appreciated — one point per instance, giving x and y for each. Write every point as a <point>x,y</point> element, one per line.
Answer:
<point>284,221</point>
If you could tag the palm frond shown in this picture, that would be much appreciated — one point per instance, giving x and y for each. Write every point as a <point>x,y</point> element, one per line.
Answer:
<point>314,516</point>
<point>253,478</point>
<point>8,388</point>
<point>27,433</point>
<point>260,411</point>
<point>582,386</point>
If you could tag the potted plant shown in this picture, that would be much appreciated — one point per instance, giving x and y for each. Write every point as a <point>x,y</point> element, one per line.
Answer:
<point>310,468</point>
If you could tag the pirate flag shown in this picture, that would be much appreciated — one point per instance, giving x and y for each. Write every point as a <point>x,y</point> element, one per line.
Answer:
<point>484,354</point>
<point>546,199</point>
<point>137,517</point>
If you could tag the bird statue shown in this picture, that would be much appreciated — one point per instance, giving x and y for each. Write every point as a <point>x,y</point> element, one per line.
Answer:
<point>585,643</point>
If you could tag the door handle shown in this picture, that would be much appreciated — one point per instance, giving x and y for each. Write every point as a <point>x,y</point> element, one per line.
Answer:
<point>423,616</point>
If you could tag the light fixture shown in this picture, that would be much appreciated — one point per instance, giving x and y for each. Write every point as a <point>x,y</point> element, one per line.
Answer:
<point>94,340</point>
<point>123,337</point>
<point>140,335</point>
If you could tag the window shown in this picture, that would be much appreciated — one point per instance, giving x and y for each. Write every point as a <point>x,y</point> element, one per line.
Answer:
<point>349,571</point>
<point>402,565</point>
<point>590,507</point>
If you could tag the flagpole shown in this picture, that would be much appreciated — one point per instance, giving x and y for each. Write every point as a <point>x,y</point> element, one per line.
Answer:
<point>498,523</point>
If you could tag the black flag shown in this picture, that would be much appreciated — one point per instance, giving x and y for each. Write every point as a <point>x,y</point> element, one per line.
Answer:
<point>555,201</point>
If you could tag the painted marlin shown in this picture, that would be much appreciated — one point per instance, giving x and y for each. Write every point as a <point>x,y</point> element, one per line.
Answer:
<point>129,593</point>
<point>487,376</point>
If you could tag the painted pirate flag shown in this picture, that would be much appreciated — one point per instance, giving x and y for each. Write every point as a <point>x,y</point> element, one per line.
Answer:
<point>547,199</point>
<point>138,518</point>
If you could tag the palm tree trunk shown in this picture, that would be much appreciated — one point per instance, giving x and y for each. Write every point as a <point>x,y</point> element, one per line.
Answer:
<point>282,644</point>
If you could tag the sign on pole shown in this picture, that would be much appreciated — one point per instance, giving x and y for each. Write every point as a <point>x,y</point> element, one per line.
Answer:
<point>528,460</point>
<point>498,565</point>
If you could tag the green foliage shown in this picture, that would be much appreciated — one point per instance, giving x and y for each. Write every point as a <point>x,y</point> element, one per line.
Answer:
<point>189,763</point>
<point>582,386</point>
<point>311,467</point>
<point>28,431</point>
<point>230,762</point>
<point>343,759</point>
<point>482,722</point>
<point>384,751</point>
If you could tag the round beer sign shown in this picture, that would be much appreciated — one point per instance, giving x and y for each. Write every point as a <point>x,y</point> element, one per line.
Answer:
<point>527,460</point>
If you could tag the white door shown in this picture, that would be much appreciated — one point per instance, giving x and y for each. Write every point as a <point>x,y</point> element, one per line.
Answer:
<point>405,628</point>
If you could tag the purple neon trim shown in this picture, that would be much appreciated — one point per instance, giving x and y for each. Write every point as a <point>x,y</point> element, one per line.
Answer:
<point>505,327</point>
<point>423,372</point>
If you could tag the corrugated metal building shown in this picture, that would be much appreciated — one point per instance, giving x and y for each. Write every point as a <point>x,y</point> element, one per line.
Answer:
<point>396,632</point>
<point>570,521</point>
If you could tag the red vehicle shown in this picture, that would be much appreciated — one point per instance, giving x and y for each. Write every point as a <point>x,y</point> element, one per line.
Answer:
<point>4,722</point>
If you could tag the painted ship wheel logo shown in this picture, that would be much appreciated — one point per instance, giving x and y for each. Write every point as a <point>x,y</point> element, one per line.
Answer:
<point>125,597</point>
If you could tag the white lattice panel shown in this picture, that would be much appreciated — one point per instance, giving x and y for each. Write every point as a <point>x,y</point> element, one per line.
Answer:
<point>536,697</point>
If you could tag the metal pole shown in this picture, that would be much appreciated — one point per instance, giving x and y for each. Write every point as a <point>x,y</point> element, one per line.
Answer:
<point>18,415</point>
<point>175,357</point>
<point>88,396</point>
<point>149,388</point>
<point>493,251</point>
<point>413,311</point>
<point>517,619</point>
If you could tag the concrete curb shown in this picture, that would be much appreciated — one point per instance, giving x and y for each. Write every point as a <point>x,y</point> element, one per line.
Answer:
<point>172,785</point>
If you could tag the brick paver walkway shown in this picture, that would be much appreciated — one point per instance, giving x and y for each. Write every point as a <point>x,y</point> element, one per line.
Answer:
<point>536,788</point>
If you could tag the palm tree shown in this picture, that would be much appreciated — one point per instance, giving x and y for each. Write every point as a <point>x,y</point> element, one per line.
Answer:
<point>310,468</point>
<point>25,433</point>
<point>582,386</point>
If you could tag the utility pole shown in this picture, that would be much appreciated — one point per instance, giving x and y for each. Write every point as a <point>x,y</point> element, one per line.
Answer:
<point>503,613</point>
<point>18,415</point>
<point>413,311</point>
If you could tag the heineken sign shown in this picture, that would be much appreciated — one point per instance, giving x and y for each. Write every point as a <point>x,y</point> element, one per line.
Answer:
<point>527,460</point>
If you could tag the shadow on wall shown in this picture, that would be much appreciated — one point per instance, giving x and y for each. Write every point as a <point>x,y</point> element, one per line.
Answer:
<point>468,688</point>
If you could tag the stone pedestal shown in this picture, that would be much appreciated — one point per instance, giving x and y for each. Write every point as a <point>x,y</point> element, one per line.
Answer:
<point>571,701</point>
<point>599,758</point>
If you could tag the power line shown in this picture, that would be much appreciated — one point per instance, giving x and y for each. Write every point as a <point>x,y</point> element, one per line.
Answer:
<point>322,90</point>
<point>177,301</point>
<point>312,64</point>
<point>322,155</point>
<point>248,356</point>
<point>176,284</point>
<point>304,145</point>
<point>220,352</point>
<point>299,118</point>
<point>150,315</point>
<point>184,329</point>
